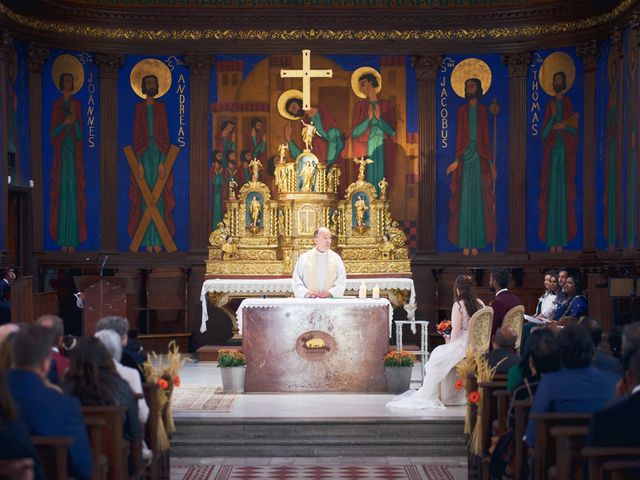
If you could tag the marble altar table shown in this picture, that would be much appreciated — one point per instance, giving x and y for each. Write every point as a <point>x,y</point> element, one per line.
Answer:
<point>315,345</point>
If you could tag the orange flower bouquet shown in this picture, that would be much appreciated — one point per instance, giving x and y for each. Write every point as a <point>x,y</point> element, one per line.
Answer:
<point>399,358</point>
<point>444,328</point>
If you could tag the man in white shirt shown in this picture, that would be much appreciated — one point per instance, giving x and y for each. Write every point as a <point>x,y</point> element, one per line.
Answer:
<point>319,272</point>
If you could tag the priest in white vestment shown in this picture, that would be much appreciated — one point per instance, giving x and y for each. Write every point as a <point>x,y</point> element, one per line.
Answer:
<point>319,272</point>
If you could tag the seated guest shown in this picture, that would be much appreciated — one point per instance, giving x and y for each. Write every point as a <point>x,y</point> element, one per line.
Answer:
<point>601,359</point>
<point>546,303</point>
<point>572,303</point>
<point>15,442</point>
<point>618,425</point>
<point>6,334</point>
<point>92,378</point>
<point>120,325</point>
<point>540,356</point>
<point>134,348</point>
<point>504,299</point>
<point>5,306</point>
<point>503,357</point>
<point>59,361</point>
<point>578,386</point>
<point>111,341</point>
<point>45,411</point>
<point>319,272</point>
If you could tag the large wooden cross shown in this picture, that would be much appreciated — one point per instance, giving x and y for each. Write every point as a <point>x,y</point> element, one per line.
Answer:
<point>306,74</point>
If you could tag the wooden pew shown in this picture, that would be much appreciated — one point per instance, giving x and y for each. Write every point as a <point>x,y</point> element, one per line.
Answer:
<point>113,444</point>
<point>569,440</point>
<point>521,410</point>
<point>95,427</point>
<point>487,415</point>
<point>503,399</point>
<point>53,453</point>
<point>544,451</point>
<point>597,457</point>
<point>622,469</point>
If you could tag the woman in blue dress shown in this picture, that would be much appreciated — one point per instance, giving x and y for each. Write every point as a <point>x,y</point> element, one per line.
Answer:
<point>573,303</point>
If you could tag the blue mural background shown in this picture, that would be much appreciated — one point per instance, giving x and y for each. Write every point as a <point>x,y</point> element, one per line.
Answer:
<point>90,113</point>
<point>536,105</point>
<point>127,100</point>
<point>20,89</point>
<point>446,119</point>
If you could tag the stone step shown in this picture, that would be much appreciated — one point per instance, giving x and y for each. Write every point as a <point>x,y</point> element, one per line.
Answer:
<point>304,437</point>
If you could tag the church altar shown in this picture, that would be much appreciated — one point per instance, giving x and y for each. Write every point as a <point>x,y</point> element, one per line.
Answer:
<point>400,291</point>
<point>315,345</point>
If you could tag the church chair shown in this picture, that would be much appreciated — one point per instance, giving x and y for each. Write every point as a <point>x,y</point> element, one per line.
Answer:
<point>153,471</point>
<point>544,451</point>
<point>53,453</point>
<point>597,457</point>
<point>569,440</point>
<point>95,428</point>
<point>521,410</point>
<point>113,444</point>
<point>514,319</point>
<point>622,470</point>
<point>480,330</point>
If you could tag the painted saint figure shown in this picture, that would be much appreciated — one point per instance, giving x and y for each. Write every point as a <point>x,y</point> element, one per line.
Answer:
<point>374,126</point>
<point>558,224</point>
<point>327,144</point>
<point>67,218</point>
<point>216,180</point>
<point>225,140</point>
<point>151,144</point>
<point>472,222</point>
<point>256,139</point>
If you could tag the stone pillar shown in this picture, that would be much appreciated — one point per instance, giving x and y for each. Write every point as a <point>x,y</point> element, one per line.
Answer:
<point>6,49</point>
<point>426,68</point>
<point>518,66</point>
<point>108,65</point>
<point>588,52</point>
<point>36,56</point>
<point>200,73</point>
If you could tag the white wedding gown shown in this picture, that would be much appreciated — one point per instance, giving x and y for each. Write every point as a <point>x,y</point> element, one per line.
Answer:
<point>438,388</point>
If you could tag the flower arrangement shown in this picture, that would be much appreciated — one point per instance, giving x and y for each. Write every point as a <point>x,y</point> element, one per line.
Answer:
<point>399,358</point>
<point>163,371</point>
<point>444,328</point>
<point>231,358</point>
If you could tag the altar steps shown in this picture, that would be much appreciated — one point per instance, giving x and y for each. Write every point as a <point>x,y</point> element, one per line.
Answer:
<point>290,437</point>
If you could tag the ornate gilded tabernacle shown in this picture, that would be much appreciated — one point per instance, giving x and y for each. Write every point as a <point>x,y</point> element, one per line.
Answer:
<point>261,236</point>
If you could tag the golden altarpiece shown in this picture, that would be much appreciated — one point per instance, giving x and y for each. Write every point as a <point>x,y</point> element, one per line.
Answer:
<point>263,234</point>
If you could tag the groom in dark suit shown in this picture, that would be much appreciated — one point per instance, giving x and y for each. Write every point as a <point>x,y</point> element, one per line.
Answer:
<point>618,425</point>
<point>504,299</point>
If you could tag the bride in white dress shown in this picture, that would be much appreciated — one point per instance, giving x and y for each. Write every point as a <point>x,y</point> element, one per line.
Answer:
<point>438,388</point>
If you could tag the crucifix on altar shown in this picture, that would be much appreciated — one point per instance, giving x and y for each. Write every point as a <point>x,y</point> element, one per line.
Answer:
<point>306,73</point>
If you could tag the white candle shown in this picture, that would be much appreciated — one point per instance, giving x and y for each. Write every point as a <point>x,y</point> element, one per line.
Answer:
<point>363,291</point>
<point>376,292</point>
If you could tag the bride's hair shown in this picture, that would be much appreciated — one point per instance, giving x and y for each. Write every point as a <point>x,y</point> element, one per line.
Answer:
<point>464,284</point>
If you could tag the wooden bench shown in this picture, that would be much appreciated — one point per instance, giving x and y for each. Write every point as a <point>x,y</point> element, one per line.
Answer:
<point>544,451</point>
<point>112,443</point>
<point>53,452</point>
<point>597,457</point>
<point>569,441</point>
<point>521,410</point>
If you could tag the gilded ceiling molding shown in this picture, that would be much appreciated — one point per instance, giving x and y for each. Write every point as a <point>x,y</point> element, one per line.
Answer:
<point>523,31</point>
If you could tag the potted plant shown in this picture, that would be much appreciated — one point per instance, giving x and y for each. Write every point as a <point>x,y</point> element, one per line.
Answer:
<point>233,364</point>
<point>397,368</point>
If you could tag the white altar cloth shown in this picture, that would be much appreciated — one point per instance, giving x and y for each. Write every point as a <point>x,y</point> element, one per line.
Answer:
<point>284,285</point>
<point>266,303</point>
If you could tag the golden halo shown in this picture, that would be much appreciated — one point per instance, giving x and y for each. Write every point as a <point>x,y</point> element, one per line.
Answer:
<point>554,63</point>
<point>284,98</point>
<point>470,68</point>
<point>150,66</point>
<point>355,80</point>
<point>68,64</point>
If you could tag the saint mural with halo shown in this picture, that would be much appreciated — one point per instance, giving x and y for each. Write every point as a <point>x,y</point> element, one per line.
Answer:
<point>374,125</point>
<point>558,224</point>
<point>472,214</point>
<point>150,80</point>
<point>67,215</point>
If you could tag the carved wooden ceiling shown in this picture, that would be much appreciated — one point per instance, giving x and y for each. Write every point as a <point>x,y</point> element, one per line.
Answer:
<point>350,26</point>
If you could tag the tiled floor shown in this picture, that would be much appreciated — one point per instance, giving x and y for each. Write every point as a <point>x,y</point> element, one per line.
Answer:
<point>326,468</point>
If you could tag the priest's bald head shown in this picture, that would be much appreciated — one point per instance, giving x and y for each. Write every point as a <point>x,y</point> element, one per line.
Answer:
<point>322,238</point>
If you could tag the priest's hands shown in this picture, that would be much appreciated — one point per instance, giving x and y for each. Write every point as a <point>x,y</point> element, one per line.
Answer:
<point>311,294</point>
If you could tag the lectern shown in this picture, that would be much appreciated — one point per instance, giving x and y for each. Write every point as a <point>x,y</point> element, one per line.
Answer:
<point>103,298</point>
